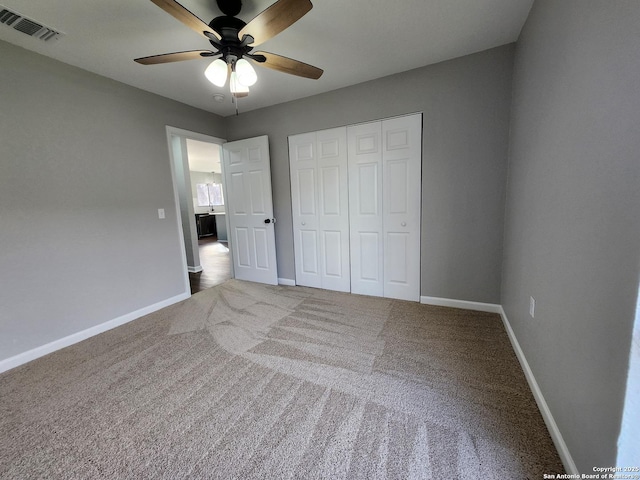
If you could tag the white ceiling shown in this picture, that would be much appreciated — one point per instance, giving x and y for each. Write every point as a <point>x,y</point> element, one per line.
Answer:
<point>203,156</point>
<point>352,40</point>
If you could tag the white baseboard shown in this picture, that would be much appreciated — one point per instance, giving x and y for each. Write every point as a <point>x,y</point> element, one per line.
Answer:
<point>287,281</point>
<point>25,357</point>
<point>464,304</point>
<point>554,431</point>
<point>196,269</point>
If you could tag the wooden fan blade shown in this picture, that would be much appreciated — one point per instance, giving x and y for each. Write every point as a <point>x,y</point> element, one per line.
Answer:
<point>173,57</point>
<point>177,11</point>
<point>275,19</point>
<point>289,65</point>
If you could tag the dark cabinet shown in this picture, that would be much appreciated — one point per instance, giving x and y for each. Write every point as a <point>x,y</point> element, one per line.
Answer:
<point>206,225</point>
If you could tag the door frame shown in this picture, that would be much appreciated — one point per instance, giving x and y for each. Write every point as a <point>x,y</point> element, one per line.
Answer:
<point>176,160</point>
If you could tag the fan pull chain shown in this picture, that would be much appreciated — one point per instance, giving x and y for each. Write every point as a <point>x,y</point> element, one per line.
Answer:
<point>234,100</point>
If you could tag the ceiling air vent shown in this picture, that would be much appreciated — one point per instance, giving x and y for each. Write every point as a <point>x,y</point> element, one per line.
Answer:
<point>26,25</point>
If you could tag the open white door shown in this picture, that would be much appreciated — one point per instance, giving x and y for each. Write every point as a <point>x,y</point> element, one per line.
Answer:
<point>247,173</point>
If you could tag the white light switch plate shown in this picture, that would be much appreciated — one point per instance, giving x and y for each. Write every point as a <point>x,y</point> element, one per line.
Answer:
<point>532,307</point>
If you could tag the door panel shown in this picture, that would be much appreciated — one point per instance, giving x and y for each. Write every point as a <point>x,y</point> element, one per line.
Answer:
<point>330,191</point>
<point>402,163</point>
<point>365,208</point>
<point>306,191</point>
<point>398,268</point>
<point>396,138</point>
<point>304,201</point>
<point>257,182</point>
<point>309,257</point>
<point>318,166</point>
<point>256,154</point>
<point>367,141</point>
<point>242,247</point>
<point>260,242</point>
<point>398,182</point>
<point>333,259</point>
<point>327,146</point>
<point>369,272</point>
<point>235,155</point>
<point>367,179</point>
<point>247,173</point>
<point>333,211</point>
<point>237,195</point>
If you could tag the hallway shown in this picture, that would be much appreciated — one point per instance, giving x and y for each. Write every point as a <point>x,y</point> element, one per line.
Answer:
<point>216,265</point>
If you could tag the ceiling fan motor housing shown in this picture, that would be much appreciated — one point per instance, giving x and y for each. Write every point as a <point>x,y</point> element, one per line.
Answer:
<point>231,47</point>
<point>230,7</point>
<point>227,27</point>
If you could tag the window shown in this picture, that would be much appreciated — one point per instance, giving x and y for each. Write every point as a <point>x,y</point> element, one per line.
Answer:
<point>209,194</point>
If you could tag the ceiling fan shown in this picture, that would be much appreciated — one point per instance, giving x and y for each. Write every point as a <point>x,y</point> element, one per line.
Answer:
<point>233,41</point>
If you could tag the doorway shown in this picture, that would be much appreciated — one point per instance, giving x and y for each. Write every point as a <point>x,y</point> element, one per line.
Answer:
<point>196,168</point>
<point>249,218</point>
<point>207,192</point>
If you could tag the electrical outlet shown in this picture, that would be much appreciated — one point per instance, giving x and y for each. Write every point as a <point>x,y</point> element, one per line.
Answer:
<point>161,213</point>
<point>532,307</point>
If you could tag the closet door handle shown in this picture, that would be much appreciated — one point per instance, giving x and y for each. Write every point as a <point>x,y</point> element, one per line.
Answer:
<point>404,224</point>
<point>303,223</point>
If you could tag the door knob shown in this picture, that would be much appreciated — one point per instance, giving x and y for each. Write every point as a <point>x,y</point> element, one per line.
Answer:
<point>268,220</point>
<point>404,224</point>
<point>303,223</point>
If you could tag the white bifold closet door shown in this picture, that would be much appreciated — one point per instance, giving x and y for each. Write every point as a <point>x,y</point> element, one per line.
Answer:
<point>355,194</point>
<point>320,209</point>
<point>384,165</point>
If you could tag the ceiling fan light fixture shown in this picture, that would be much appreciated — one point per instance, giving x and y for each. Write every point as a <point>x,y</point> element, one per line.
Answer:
<point>232,38</point>
<point>217,72</point>
<point>245,73</point>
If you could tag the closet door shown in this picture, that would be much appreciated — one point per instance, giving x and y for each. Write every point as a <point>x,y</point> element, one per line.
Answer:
<point>319,198</point>
<point>402,162</point>
<point>333,209</point>
<point>384,207</point>
<point>365,208</point>
<point>304,205</point>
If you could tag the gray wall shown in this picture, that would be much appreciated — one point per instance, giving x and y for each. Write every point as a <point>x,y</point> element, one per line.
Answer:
<point>84,166</point>
<point>466,119</point>
<point>572,237</point>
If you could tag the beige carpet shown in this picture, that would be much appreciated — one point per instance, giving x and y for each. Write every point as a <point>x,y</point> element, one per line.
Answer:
<point>245,381</point>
